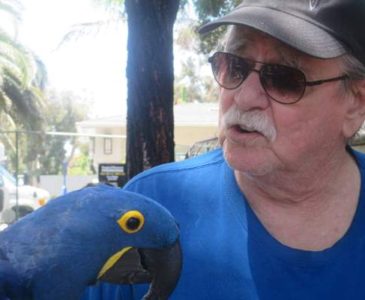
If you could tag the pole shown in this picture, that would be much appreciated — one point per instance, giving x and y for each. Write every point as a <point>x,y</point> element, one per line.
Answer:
<point>64,172</point>
<point>16,174</point>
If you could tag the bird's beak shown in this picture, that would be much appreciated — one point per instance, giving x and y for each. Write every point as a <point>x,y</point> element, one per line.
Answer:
<point>159,267</point>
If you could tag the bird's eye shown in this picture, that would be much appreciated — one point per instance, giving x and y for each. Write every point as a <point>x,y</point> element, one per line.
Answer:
<point>132,221</point>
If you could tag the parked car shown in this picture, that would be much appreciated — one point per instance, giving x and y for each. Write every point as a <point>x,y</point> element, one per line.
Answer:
<point>16,202</point>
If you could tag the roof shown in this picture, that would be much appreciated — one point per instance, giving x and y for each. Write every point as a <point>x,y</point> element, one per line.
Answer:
<point>189,114</point>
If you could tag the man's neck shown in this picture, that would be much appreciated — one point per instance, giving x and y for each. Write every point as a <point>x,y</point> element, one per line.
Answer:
<point>309,211</point>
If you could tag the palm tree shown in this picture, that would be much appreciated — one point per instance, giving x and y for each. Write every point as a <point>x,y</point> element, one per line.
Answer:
<point>22,80</point>
<point>22,74</point>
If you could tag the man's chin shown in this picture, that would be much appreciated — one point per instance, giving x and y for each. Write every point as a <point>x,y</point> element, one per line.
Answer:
<point>251,161</point>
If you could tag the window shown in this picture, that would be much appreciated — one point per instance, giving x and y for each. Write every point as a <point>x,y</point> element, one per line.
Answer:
<point>108,146</point>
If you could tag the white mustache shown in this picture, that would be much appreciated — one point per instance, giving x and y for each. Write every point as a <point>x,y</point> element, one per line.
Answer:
<point>250,120</point>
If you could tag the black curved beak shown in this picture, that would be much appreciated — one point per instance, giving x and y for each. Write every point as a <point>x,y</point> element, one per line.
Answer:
<point>159,267</point>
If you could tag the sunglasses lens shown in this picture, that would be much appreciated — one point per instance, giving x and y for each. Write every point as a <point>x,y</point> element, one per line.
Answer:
<point>229,71</point>
<point>284,84</point>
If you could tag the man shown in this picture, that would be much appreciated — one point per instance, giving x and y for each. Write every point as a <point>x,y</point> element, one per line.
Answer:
<point>279,212</point>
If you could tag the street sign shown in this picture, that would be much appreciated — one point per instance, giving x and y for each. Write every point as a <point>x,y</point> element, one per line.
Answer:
<point>113,174</point>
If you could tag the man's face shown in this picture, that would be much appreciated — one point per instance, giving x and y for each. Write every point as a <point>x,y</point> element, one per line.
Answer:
<point>280,137</point>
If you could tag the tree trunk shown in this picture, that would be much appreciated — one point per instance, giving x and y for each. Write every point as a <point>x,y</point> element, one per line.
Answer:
<point>150,122</point>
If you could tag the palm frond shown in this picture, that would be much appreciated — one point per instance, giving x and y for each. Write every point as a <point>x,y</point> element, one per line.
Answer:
<point>12,7</point>
<point>115,14</point>
<point>15,56</point>
<point>86,29</point>
<point>26,104</point>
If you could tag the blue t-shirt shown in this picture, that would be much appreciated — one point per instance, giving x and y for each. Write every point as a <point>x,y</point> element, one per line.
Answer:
<point>229,255</point>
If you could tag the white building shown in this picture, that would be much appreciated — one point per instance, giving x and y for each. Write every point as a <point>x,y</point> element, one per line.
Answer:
<point>193,122</point>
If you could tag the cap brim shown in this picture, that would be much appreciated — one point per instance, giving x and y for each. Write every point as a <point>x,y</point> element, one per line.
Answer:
<point>291,30</point>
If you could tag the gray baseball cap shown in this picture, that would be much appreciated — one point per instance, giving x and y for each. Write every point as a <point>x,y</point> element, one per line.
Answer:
<point>320,28</point>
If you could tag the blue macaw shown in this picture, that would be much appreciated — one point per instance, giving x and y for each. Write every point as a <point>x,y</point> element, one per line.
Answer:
<point>95,234</point>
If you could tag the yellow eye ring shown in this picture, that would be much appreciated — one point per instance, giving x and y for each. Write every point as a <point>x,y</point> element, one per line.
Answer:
<point>132,221</point>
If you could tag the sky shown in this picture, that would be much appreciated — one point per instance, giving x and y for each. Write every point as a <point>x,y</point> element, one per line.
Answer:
<point>92,66</point>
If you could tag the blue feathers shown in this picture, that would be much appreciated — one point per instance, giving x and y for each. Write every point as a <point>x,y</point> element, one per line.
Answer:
<point>11,285</point>
<point>60,249</point>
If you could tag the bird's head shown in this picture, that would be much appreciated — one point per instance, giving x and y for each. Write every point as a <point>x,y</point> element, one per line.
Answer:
<point>144,237</point>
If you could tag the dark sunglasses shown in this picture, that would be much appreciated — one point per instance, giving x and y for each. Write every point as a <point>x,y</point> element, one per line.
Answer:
<point>281,83</point>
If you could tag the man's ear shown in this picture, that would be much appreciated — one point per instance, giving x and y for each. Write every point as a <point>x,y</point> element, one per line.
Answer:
<point>355,113</point>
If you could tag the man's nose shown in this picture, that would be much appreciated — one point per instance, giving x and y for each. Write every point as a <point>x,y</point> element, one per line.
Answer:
<point>250,94</point>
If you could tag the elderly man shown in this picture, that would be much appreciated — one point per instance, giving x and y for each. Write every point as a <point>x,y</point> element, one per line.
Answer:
<point>279,211</point>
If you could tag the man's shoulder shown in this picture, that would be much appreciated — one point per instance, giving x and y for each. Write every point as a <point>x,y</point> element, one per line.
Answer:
<point>202,163</point>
